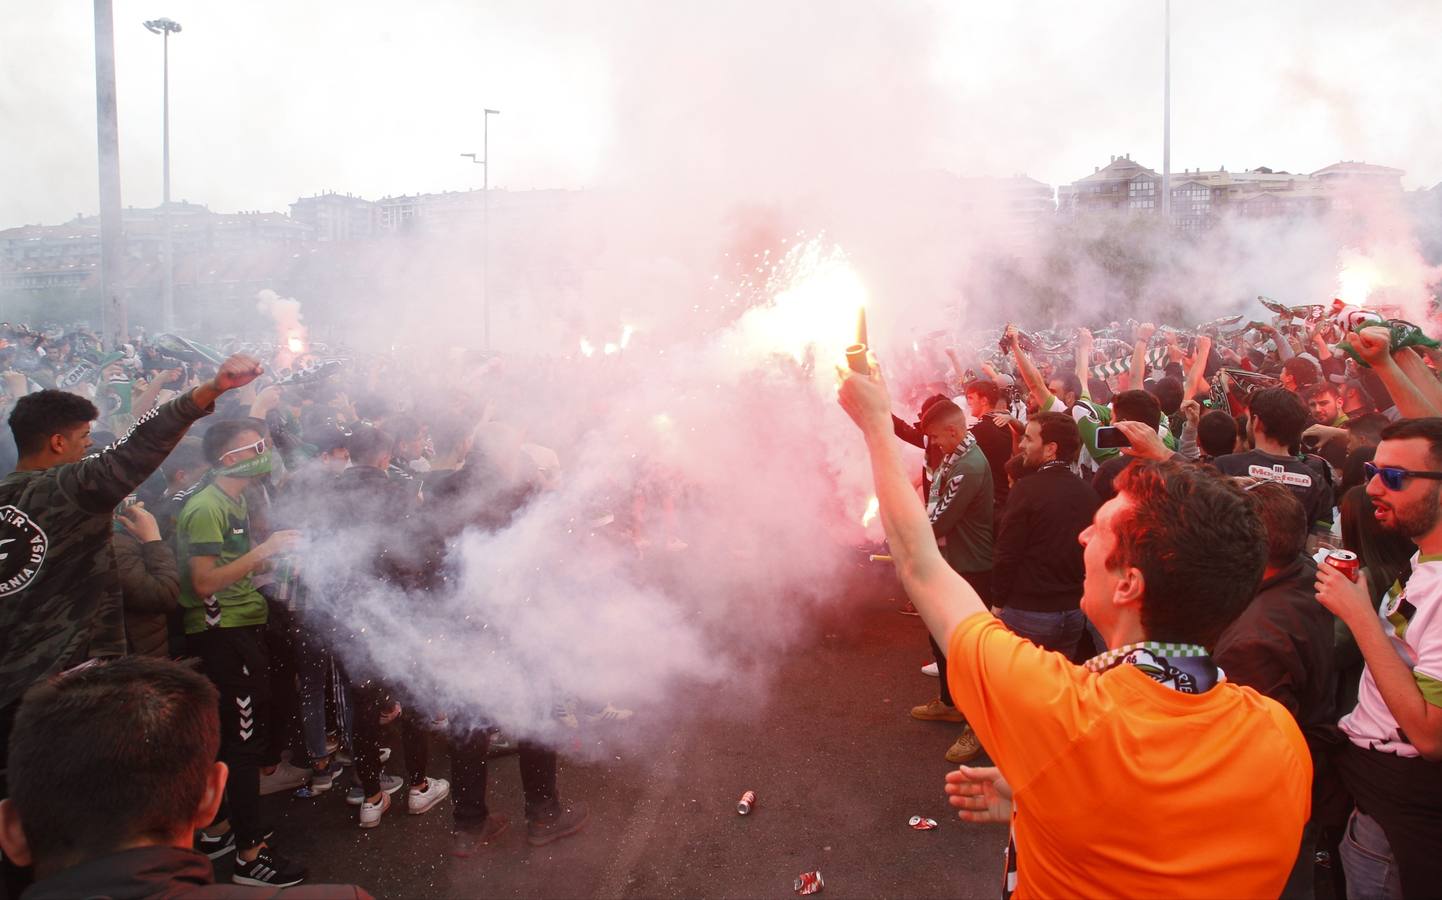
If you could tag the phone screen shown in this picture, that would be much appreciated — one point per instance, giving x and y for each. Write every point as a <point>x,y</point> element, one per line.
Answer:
<point>1111,437</point>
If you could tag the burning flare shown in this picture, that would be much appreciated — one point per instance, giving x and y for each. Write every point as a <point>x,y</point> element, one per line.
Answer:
<point>873,509</point>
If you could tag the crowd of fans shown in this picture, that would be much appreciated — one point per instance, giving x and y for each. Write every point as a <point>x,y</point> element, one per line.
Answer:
<point>1118,558</point>
<point>1172,512</point>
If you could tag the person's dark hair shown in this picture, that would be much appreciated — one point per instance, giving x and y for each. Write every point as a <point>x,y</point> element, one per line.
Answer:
<point>1321,387</point>
<point>1282,413</point>
<point>1198,544</point>
<point>1060,429</point>
<point>1137,406</point>
<point>1099,390</point>
<point>1303,371</point>
<point>1367,428</point>
<point>1168,392</point>
<point>187,456</point>
<point>110,754</point>
<point>945,411</point>
<point>368,444</point>
<point>372,408</point>
<point>1385,555</point>
<point>1015,468</point>
<point>931,401</point>
<point>39,416</point>
<point>1217,432</point>
<point>1069,382</point>
<point>222,433</point>
<point>1284,519</point>
<point>1428,429</point>
<point>988,390</point>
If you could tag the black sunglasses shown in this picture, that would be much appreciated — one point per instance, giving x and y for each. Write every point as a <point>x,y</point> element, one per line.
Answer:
<point>1393,478</point>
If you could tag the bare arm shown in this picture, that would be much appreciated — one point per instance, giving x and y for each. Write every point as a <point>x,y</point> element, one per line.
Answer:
<point>1197,372</point>
<point>1029,372</point>
<point>942,597</point>
<point>1084,344</point>
<point>1417,372</point>
<point>1373,345</point>
<point>207,575</point>
<point>1418,719</point>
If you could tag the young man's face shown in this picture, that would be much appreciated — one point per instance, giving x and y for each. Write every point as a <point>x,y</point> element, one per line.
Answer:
<point>245,445</point>
<point>1099,541</point>
<point>946,436</point>
<point>1414,510</point>
<point>1033,450</point>
<point>75,443</point>
<point>1324,407</point>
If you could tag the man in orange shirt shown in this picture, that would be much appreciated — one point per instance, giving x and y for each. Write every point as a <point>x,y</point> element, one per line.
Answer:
<point>1143,772</point>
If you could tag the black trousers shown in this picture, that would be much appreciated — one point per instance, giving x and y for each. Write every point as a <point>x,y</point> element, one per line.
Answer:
<point>371,699</point>
<point>468,779</point>
<point>236,661</point>
<point>981,583</point>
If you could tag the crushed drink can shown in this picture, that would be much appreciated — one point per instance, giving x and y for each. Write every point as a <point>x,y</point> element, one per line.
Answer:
<point>1346,562</point>
<point>808,883</point>
<point>921,823</point>
<point>744,805</point>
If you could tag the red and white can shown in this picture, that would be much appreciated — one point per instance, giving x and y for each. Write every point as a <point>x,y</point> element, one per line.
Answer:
<point>1346,562</point>
<point>809,882</point>
<point>747,801</point>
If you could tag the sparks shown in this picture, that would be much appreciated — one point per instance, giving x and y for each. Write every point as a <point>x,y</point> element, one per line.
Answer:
<point>587,349</point>
<point>626,332</point>
<point>816,308</point>
<point>295,344</point>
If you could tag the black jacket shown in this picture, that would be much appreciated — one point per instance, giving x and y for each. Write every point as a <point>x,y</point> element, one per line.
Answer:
<point>166,872</point>
<point>1038,559</point>
<point>1281,646</point>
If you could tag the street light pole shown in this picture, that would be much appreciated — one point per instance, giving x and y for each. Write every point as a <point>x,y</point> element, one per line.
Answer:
<point>485,163</point>
<point>113,323</point>
<point>164,28</point>
<point>1167,118</point>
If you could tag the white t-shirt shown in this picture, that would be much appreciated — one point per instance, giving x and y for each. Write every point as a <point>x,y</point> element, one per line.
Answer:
<point>1412,619</point>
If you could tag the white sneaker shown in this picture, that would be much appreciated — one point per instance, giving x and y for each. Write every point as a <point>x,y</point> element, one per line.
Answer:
<point>370,813</point>
<point>930,669</point>
<point>421,799</point>
<point>610,714</point>
<point>389,785</point>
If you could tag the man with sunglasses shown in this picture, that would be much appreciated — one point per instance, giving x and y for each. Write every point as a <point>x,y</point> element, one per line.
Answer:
<point>1392,762</point>
<point>224,617</point>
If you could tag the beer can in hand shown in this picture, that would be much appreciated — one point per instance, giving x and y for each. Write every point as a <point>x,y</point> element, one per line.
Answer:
<point>1346,562</point>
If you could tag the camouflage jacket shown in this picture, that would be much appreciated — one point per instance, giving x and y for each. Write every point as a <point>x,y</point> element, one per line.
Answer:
<point>60,600</point>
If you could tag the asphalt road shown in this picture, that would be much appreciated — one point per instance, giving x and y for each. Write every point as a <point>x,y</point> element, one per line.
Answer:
<point>824,739</point>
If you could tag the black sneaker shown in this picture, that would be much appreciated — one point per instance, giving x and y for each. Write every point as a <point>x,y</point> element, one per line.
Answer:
<point>215,847</point>
<point>560,824</point>
<point>268,870</point>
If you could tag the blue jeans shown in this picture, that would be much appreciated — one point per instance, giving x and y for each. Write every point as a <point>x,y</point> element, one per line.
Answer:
<point>1367,861</point>
<point>313,663</point>
<point>1059,631</point>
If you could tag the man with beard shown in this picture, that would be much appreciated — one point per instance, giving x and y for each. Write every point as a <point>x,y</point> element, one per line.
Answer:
<point>1037,579</point>
<point>1392,762</point>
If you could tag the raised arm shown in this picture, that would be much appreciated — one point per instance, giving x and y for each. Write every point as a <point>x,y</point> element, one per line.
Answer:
<point>1415,368</point>
<point>1029,372</point>
<point>1197,371</point>
<point>1374,345</point>
<point>942,597</point>
<point>1084,345</point>
<point>98,482</point>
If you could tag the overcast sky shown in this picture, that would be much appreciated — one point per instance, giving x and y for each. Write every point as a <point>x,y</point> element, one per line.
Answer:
<point>275,99</point>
